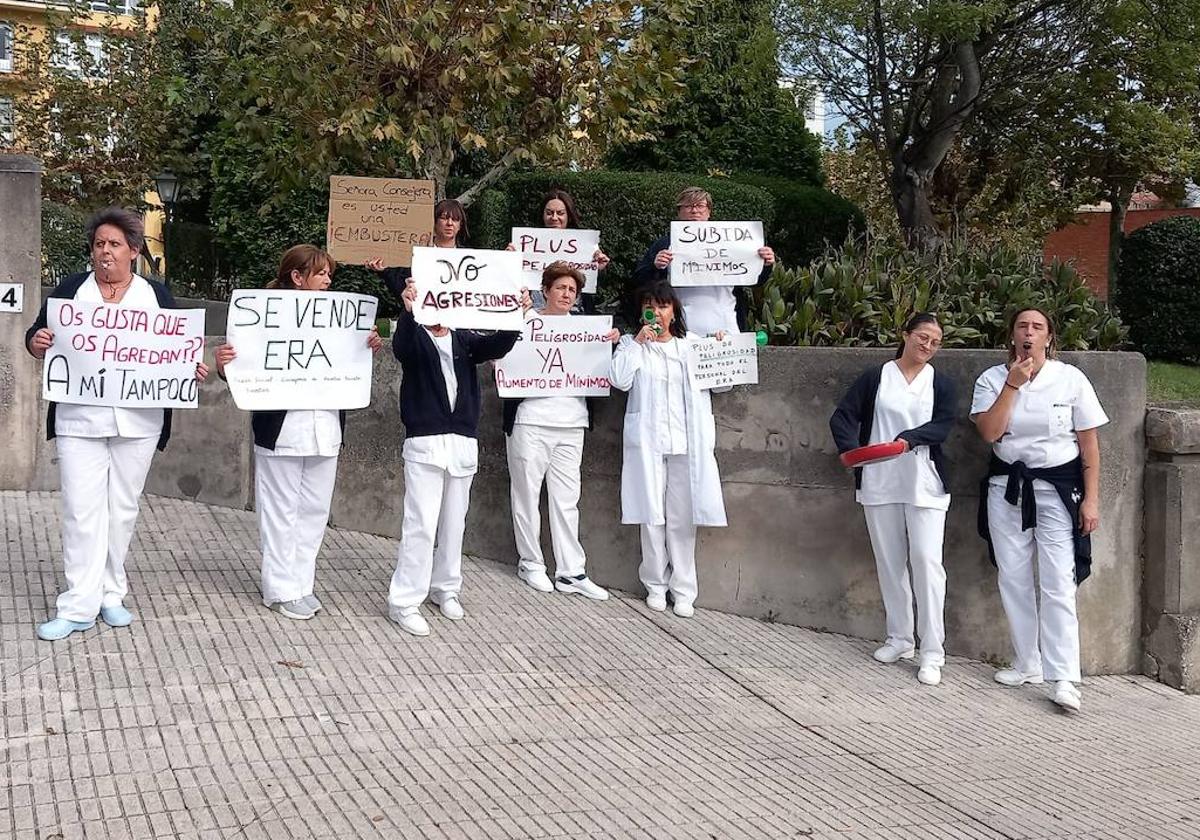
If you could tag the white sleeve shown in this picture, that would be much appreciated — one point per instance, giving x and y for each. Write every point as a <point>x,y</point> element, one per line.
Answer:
<point>1088,413</point>
<point>626,362</point>
<point>987,390</point>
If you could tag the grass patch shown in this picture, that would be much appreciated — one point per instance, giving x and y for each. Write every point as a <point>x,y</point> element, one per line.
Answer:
<point>1170,384</point>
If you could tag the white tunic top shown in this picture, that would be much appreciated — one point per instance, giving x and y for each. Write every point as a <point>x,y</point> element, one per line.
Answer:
<point>708,309</point>
<point>98,421</point>
<point>666,368</point>
<point>456,454</point>
<point>1049,410</point>
<point>910,479</point>
<point>307,433</point>
<point>557,412</point>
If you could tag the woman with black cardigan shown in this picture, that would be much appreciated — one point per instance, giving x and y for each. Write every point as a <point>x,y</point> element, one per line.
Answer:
<point>905,500</point>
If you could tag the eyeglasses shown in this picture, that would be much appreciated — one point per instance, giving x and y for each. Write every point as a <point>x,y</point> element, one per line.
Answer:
<point>698,205</point>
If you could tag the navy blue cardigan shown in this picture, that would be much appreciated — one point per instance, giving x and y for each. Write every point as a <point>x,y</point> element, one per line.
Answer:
<point>424,408</point>
<point>852,420</point>
<point>68,289</point>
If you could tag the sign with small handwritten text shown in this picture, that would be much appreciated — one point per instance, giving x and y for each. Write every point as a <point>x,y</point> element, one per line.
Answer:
<point>732,360</point>
<point>378,217</point>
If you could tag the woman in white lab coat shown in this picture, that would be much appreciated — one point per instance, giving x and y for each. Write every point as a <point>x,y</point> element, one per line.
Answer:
<point>1040,499</point>
<point>669,478</point>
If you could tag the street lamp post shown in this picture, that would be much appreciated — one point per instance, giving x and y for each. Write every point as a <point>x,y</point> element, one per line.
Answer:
<point>167,185</point>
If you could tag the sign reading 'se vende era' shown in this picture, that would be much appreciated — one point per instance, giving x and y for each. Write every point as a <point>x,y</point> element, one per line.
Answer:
<point>300,350</point>
<point>716,253</point>
<point>467,288</point>
<point>122,357</point>
<point>378,217</point>
<point>558,356</point>
<point>540,247</point>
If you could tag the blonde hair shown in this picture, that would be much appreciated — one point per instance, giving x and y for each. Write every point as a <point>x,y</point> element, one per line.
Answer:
<point>694,195</point>
<point>303,258</point>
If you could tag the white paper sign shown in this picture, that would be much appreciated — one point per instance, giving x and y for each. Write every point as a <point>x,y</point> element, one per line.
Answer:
<point>12,297</point>
<point>467,288</point>
<point>123,357</point>
<point>731,361</point>
<point>716,253</point>
<point>539,247</point>
<point>299,349</point>
<point>558,356</point>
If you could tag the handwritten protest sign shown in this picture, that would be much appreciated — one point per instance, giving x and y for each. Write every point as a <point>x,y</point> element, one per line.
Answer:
<point>467,288</point>
<point>731,361</point>
<point>539,247</point>
<point>378,217</point>
<point>298,349</point>
<point>558,356</point>
<point>716,253</point>
<point>122,357</point>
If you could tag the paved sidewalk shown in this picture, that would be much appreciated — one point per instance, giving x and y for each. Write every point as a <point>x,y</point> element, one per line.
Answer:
<point>539,716</point>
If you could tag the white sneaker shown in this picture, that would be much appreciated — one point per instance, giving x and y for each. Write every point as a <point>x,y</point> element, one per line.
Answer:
<point>658,603</point>
<point>1013,678</point>
<point>890,653</point>
<point>929,675</point>
<point>683,609</point>
<point>1067,695</point>
<point>537,579</point>
<point>451,608</point>
<point>410,621</point>
<point>582,585</point>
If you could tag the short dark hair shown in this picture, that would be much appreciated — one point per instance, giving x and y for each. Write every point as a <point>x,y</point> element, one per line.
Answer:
<point>568,202</point>
<point>128,221</point>
<point>912,323</point>
<point>663,292</point>
<point>1051,345</point>
<point>562,269</point>
<point>452,208</point>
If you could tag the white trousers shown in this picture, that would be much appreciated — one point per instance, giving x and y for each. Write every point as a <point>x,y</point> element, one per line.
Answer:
<point>669,551</point>
<point>537,454</point>
<point>906,535</point>
<point>292,494</point>
<point>1044,641</point>
<point>101,480</point>
<point>435,516</point>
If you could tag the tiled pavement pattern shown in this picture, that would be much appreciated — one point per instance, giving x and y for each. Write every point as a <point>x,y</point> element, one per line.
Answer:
<point>539,716</point>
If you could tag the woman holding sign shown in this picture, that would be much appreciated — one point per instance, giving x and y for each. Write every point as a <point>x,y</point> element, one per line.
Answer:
<point>1040,499</point>
<point>104,453</point>
<point>449,231</point>
<point>559,213</point>
<point>545,445</point>
<point>439,406</point>
<point>295,465</point>
<point>906,402</point>
<point>709,309</point>
<point>669,478</point>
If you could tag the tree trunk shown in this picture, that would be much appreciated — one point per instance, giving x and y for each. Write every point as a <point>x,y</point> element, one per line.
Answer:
<point>1119,196</point>
<point>910,195</point>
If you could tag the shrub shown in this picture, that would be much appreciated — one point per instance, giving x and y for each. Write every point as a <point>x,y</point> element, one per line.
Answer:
<point>1158,289</point>
<point>64,248</point>
<point>808,219</point>
<point>860,294</point>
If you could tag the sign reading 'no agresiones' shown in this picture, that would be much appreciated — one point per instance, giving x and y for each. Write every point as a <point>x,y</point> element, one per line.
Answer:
<point>299,350</point>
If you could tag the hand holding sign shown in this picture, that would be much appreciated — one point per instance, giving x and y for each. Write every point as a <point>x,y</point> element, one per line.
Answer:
<point>715,253</point>
<point>540,247</point>
<point>466,288</point>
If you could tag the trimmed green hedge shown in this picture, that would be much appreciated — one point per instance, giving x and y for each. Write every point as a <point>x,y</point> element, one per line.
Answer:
<point>1158,289</point>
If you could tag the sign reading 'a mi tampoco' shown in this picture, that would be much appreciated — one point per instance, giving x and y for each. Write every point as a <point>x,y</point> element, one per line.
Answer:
<point>465,288</point>
<point>299,350</point>
<point>716,253</point>
<point>558,356</point>
<point>378,217</point>
<point>732,360</point>
<point>122,357</point>
<point>540,247</point>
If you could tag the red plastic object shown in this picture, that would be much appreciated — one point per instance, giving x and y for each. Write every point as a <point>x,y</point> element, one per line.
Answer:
<point>874,454</point>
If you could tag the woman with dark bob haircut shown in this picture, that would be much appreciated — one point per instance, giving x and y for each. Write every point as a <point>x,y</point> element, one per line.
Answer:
<point>449,231</point>
<point>559,212</point>
<point>104,453</point>
<point>667,450</point>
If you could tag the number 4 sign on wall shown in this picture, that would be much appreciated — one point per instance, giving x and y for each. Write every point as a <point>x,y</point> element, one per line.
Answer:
<point>12,297</point>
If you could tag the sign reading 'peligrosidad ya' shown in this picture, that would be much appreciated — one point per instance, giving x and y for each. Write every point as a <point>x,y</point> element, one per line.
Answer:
<point>300,349</point>
<point>122,357</point>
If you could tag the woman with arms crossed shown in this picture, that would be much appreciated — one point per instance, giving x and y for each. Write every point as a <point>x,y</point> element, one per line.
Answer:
<point>1041,499</point>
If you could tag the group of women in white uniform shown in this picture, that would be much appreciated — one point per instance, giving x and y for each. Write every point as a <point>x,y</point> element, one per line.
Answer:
<point>1040,500</point>
<point>1038,504</point>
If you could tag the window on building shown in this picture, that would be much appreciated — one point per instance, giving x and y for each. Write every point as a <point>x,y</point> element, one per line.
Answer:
<point>7,129</point>
<point>118,7</point>
<point>68,53</point>
<point>6,47</point>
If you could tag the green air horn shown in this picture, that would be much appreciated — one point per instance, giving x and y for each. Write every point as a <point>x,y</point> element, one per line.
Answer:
<point>761,338</point>
<point>651,320</point>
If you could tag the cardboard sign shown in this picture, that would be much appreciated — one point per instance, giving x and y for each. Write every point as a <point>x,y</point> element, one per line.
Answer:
<point>716,253</point>
<point>731,361</point>
<point>539,247</point>
<point>299,350</point>
<point>558,356</point>
<point>468,288</point>
<point>122,357</point>
<point>378,217</point>
<point>12,297</point>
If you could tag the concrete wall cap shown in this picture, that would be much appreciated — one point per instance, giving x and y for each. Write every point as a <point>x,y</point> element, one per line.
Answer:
<point>1173,430</point>
<point>20,163</point>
